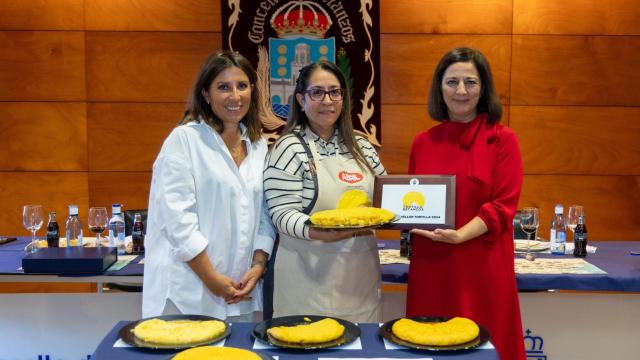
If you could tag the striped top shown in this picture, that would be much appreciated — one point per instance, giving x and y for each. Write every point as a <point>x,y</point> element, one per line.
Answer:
<point>288,183</point>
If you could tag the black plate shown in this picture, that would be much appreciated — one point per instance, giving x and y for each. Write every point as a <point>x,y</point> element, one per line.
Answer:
<point>262,356</point>
<point>345,227</point>
<point>385,332</point>
<point>126,333</point>
<point>351,332</point>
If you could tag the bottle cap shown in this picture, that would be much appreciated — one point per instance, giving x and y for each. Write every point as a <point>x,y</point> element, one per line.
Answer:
<point>73,209</point>
<point>559,209</point>
<point>116,208</point>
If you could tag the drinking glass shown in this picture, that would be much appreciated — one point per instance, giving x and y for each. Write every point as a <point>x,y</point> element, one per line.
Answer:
<point>575,211</point>
<point>98,219</point>
<point>529,221</point>
<point>32,221</point>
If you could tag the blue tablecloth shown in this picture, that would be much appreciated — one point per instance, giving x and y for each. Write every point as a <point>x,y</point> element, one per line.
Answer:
<point>11,261</point>
<point>372,346</point>
<point>623,270</point>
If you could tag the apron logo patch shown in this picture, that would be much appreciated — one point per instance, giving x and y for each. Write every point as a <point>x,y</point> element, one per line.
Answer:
<point>350,178</point>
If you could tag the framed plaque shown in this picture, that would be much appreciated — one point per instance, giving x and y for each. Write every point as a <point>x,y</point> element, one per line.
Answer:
<point>419,201</point>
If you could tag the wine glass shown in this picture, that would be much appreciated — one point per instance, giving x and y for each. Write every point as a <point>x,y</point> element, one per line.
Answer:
<point>98,219</point>
<point>529,221</point>
<point>575,211</point>
<point>32,221</point>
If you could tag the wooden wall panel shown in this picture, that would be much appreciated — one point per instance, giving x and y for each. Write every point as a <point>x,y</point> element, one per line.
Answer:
<point>613,17</point>
<point>408,62</point>
<point>42,66</point>
<point>578,140</point>
<point>134,61</point>
<point>401,123</point>
<point>53,190</point>
<point>44,136</point>
<point>137,15</point>
<point>131,189</point>
<point>42,15</point>
<point>128,136</point>
<point>610,202</point>
<point>575,70</point>
<point>145,66</point>
<point>439,17</point>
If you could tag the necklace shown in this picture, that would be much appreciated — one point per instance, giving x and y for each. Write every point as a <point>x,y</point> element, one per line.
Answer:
<point>236,147</point>
<point>238,152</point>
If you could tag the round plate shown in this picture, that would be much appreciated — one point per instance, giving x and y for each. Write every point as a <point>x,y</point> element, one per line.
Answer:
<point>385,332</point>
<point>351,332</point>
<point>349,227</point>
<point>126,333</point>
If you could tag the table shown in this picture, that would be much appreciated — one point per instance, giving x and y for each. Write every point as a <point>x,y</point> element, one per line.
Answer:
<point>554,321</point>
<point>11,263</point>
<point>372,347</point>
<point>66,325</point>
<point>623,270</point>
<point>568,316</point>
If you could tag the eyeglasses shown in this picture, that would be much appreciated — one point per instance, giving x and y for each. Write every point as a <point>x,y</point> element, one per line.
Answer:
<point>318,94</point>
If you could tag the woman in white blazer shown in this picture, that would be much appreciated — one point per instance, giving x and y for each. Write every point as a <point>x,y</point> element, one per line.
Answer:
<point>209,235</point>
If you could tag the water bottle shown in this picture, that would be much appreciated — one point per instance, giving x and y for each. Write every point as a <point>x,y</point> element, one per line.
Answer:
<point>73,227</point>
<point>116,229</point>
<point>558,236</point>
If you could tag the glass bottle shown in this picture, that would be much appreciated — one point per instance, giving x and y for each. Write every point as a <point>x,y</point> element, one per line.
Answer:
<point>558,234</point>
<point>580,238</point>
<point>53,231</point>
<point>137,234</point>
<point>73,227</point>
<point>405,243</point>
<point>116,229</point>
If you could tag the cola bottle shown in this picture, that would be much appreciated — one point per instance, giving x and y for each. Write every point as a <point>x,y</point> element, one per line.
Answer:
<point>53,231</point>
<point>580,239</point>
<point>137,234</point>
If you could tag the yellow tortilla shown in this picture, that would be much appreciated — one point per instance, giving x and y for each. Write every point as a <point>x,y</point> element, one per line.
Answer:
<point>313,333</point>
<point>178,332</point>
<point>456,331</point>
<point>216,353</point>
<point>360,216</point>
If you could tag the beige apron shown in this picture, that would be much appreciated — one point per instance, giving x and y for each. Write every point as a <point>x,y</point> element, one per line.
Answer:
<point>340,279</point>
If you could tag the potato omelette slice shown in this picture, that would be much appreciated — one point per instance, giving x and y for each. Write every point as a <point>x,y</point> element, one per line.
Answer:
<point>312,333</point>
<point>216,353</point>
<point>353,198</point>
<point>178,332</point>
<point>456,331</point>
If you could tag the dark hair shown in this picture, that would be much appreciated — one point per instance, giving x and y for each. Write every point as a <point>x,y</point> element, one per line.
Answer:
<point>197,106</point>
<point>343,124</point>
<point>489,101</point>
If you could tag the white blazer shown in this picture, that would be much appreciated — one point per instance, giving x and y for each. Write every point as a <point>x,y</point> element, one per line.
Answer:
<point>200,200</point>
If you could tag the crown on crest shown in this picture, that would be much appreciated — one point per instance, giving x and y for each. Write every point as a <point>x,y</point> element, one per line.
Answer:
<point>301,18</point>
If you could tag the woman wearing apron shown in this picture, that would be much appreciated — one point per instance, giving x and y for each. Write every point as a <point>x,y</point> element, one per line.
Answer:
<point>318,158</point>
